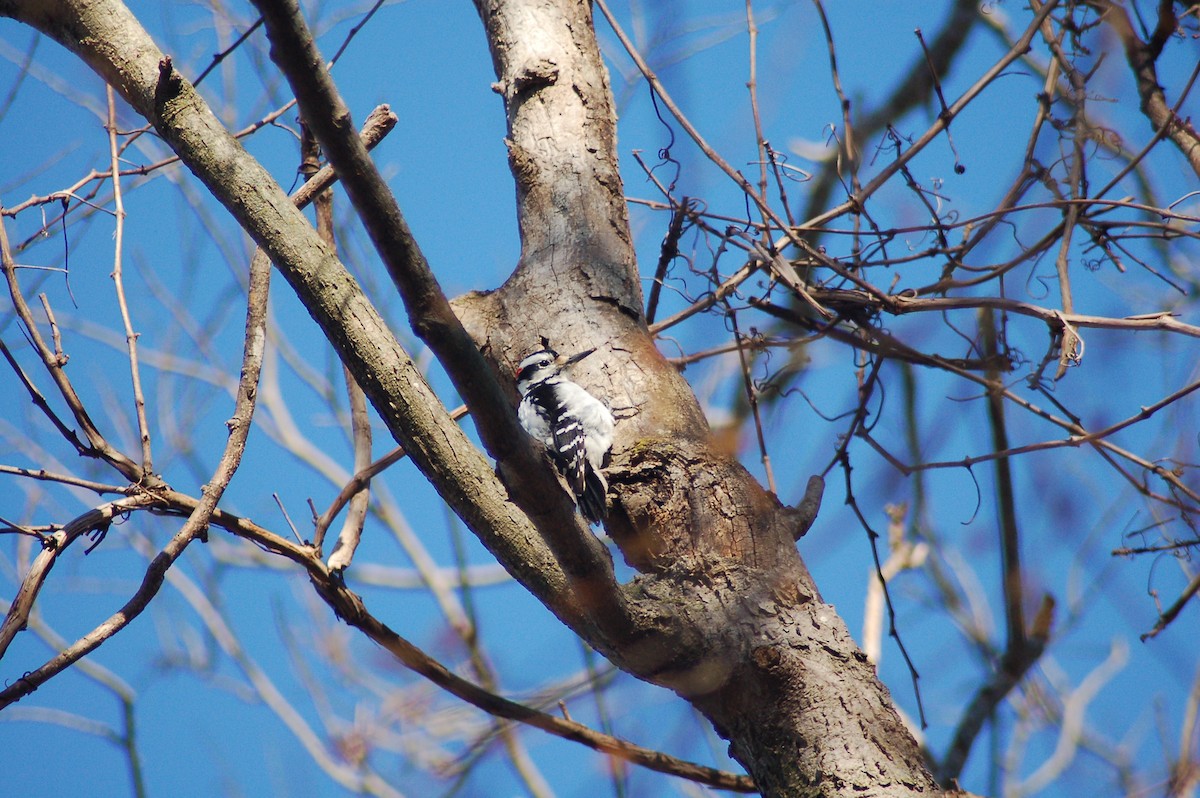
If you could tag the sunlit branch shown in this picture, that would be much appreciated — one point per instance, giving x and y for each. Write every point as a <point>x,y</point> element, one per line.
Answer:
<point>131,338</point>
<point>577,550</point>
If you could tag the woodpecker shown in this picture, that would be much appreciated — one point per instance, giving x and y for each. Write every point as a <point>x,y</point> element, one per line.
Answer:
<point>574,425</point>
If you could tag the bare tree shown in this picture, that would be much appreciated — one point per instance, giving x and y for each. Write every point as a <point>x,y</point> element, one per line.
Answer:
<point>721,608</point>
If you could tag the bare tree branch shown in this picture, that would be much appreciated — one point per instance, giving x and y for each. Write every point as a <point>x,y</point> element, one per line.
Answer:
<point>1142,57</point>
<point>139,399</point>
<point>294,50</point>
<point>148,81</point>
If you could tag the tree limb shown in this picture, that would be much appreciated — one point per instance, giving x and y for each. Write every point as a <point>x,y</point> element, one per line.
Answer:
<point>295,52</point>
<point>111,41</point>
<point>1142,57</point>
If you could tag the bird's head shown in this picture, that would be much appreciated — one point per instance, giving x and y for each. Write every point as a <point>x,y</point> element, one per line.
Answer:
<point>543,364</point>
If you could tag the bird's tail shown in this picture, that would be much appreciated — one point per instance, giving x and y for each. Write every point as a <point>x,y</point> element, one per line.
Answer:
<point>593,502</point>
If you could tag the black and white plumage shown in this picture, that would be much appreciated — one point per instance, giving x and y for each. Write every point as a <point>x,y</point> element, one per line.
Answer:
<point>575,426</point>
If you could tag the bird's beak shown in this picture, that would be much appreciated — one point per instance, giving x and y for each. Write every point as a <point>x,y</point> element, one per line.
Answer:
<point>576,358</point>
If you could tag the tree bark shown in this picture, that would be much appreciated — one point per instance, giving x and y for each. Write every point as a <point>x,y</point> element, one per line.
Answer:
<point>726,613</point>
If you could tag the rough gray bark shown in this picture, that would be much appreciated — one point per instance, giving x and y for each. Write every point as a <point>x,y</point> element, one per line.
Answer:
<point>724,611</point>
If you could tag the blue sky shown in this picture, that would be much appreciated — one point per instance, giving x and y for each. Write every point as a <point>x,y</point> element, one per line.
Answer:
<point>202,731</point>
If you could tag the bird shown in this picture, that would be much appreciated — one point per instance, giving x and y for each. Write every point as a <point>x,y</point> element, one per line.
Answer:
<point>575,426</point>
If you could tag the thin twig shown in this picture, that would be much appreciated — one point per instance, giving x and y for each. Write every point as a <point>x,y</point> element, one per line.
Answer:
<point>360,421</point>
<point>667,253</point>
<point>98,519</point>
<point>760,140</point>
<point>847,157</point>
<point>1172,612</point>
<point>223,54</point>
<point>717,295</point>
<point>97,446</point>
<point>131,338</point>
<point>751,398</point>
<point>55,335</point>
<point>362,478</point>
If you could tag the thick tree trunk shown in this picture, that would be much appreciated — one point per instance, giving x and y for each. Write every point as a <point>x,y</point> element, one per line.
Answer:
<point>725,611</point>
